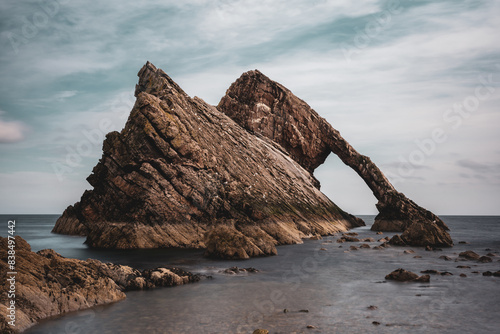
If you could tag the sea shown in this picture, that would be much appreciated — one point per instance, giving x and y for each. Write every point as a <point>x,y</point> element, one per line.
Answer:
<point>320,286</point>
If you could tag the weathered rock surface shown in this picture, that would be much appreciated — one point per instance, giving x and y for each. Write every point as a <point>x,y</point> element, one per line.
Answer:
<point>265,107</point>
<point>48,284</point>
<point>183,174</point>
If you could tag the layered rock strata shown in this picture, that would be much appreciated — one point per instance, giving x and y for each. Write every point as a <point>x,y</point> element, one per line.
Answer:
<point>267,108</point>
<point>48,284</point>
<point>183,174</point>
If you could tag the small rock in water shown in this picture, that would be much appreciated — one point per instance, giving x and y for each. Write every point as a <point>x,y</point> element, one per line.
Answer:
<point>380,232</point>
<point>469,255</point>
<point>353,248</point>
<point>487,273</point>
<point>397,241</point>
<point>322,249</point>
<point>485,259</point>
<point>463,242</point>
<point>409,251</point>
<point>352,234</point>
<point>446,273</point>
<point>260,331</point>
<point>372,307</point>
<point>402,275</point>
<point>310,327</point>
<point>463,267</point>
<point>368,240</point>
<point>417,257</point>
<point>446,258</point>
<point>304,311</point>
<point>376,323</point>
<point>423,279</point>
<point>430,271</point>
<point>364,246</point>
<point>463,275</point>
<point>496,273</point>
<point>285,311</point>
<point>491,254</point>
<point>428,248</point>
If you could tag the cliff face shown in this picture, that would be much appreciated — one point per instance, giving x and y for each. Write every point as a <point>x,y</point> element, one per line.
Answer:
<point>183,174</point>
<point>48,284</point>
<point>265,107</point>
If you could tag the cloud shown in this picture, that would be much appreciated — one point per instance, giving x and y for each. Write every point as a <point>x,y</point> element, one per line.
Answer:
<point>11,131</point>
<point>490,168</point>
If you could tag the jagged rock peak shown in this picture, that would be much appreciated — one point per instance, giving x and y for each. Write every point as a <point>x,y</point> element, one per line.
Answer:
<point>264,106</point>
<point>183,174</point>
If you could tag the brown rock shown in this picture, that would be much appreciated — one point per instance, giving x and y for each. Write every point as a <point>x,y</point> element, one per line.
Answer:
<point>261,331</point>
<point>446,258</point>
<point>430,271</point>
<point>396,240</point>
<point>469,255</point>
<point>409,251</point>
<point>353,248</point>
<point>463,275</point>
<point>183,174</point>
<point>485,259</point>
<point>265,107</point>
<point>423,279</point>
<point>401,275</point>
<point>364,246</point>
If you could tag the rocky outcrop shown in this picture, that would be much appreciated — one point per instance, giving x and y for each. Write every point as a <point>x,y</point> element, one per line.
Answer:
<point>48,284</point>
<point>267,108</point>
<point>183,174</point>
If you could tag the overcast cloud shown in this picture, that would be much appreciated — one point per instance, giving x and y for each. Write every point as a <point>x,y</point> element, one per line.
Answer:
<point>415,85</point>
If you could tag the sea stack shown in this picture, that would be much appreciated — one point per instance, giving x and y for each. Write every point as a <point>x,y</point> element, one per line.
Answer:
<point>236,179</point>
<point>183,174</point>
<point>265,107</point>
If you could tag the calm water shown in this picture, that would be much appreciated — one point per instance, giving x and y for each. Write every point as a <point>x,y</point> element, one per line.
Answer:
<point>335,286</point>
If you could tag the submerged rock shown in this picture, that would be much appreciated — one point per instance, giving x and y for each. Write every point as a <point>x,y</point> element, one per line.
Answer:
<point>183,174</point>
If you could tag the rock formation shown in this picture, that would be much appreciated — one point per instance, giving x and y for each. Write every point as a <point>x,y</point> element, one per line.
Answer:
<point>183,174</point>
<point>48,284</point>
<point>265,107</point>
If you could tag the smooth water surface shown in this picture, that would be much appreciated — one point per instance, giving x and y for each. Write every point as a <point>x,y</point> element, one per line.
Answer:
<point>333,284</point>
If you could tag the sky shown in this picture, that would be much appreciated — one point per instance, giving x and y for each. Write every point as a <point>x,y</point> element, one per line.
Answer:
<point>415,85</point>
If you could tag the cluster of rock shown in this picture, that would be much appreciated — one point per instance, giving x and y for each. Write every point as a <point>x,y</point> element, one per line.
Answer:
<point>236,270</point>
<point>48,284</point>
<point>236,179</point>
